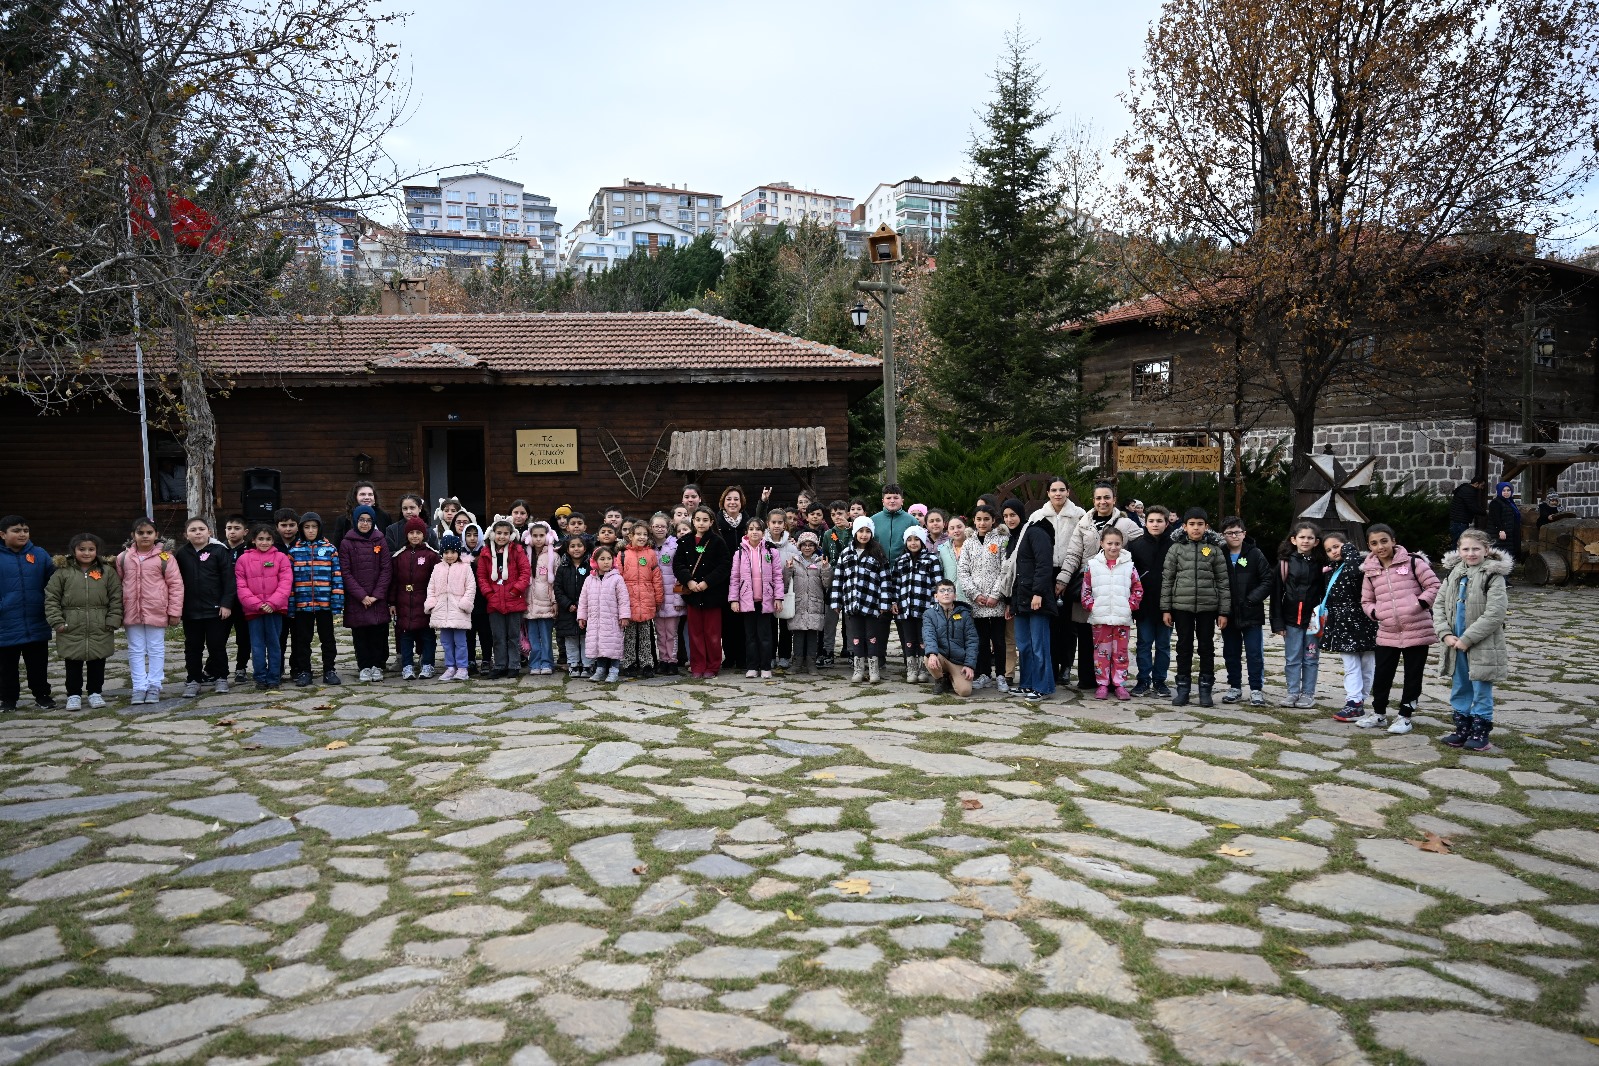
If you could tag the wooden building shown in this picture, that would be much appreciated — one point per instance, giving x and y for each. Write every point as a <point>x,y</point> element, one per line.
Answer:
<point>580,409</point>
<point>1433,433</point>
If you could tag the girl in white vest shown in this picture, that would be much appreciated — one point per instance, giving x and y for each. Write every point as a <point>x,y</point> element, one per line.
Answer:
<point>1111,592</point>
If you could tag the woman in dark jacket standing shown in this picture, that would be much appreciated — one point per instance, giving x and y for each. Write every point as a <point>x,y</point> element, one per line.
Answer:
<point>362,493</point>
<point>1034,601</point>
<point>1504,520</point>
<point>1348,630</point>
<point>368,570</point>
<point>700,567</point>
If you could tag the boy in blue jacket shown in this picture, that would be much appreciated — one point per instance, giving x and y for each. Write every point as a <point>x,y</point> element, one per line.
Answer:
<point>949,637</point>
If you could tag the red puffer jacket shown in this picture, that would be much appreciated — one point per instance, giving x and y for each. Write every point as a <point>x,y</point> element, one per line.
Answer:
<point>510,595</point>
<point>1399,596</point>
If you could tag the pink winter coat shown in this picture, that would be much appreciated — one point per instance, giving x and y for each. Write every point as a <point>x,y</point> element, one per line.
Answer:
<point>264,577</point>
<point>451,592</point>
<point>1399,596</point>
<point>741,588</point>
<point>541,590</point>
<point>152,587</point>
<point>603,607</point>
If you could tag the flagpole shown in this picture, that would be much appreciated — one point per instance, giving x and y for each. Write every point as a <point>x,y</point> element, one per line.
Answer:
<point>138,360</point>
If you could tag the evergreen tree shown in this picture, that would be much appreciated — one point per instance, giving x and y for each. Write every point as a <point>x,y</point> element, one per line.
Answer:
<point>1012,270</point>
<point>754,290</point>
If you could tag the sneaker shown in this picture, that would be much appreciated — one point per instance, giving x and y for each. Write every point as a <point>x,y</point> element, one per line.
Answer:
<point>366,673</point>
<point>1232,695</point>
<point>1306,702</point>
<point>783,664</point>
<point>1029,696</point>
<point>426,671</point>
<point>96,700</point>
<point>1002,683</point>
<point>74,703</point>
<point>329,677</point>
<point>1372,720</point>
<point>221,687</point>
<point>407,673</point>
<point>1353,711</point>
<point>151,695</point>
<point>766,675</point>
<point>1257,698</point>
<point>303,679</point>
<point>377,673</point>
<point>1289,700</point>
<point>613,677</point>
<point>1141,689</point>
<point>824,660</point>
<point>1401,725</point>
<point>191,689</point>
<point>240,676</point>
<point>1161,691</point>
<point>752,673</point>
<point>980,682</point>
<point>260,686</point>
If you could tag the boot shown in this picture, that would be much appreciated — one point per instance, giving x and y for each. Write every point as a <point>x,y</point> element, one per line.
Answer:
<point>1184,686</point>
<point>1206,683</point>
<point>911,677</point>
<point>1480,728</point>
<point>804,664</point>
<point>941,686</point>
<point>874,669</point>
<point>1462,731</point>
<point>860,670</point>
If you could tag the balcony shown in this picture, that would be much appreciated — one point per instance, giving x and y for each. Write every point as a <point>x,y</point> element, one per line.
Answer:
<point>911,203</point>
<point>421,194</point>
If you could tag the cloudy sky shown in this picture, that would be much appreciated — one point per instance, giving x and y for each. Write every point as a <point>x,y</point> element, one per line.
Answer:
<point>724,96</point>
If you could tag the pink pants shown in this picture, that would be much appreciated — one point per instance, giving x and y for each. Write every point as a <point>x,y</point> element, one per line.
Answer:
<point>666,638</point>
<point>1110,656</point>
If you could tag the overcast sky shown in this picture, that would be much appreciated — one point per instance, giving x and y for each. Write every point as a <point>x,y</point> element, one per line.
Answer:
<point>726,96</point>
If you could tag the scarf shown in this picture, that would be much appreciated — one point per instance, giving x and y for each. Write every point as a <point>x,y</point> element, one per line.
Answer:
<point>1515,512</point>
<point>499,564</point>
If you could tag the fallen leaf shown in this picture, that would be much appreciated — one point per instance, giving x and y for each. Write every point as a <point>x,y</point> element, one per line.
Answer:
<point>971,805</point>
<point>1293,840</point>
<point>335,745</point>
<point>1434,843</point>
<point>1237,853</point>
<point>86,825</point>
<point>853,886</point>
<point>323,707</point>
<point>227,721</point>
<point>824,775</point>
<point>641,867</point>
<point>1283,739</point>
<point>788,913</point>
<point>1227,825</point>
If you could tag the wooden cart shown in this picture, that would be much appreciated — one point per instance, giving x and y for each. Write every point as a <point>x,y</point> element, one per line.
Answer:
<point>1569,545</point>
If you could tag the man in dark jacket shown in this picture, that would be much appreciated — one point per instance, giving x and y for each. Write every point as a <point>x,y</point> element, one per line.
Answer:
<point>949,636</point>
<point>1249,574</point>
<point>1465,506</point>
<point>25,568</point>
<point>1154,635</point>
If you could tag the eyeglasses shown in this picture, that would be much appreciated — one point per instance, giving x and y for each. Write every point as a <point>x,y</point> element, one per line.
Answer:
<point>1235,532</point>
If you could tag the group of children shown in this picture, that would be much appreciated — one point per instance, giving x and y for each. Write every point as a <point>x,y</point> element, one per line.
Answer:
<point>974,602</point>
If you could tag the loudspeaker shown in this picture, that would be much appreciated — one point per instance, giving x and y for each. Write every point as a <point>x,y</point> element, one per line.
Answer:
<point>262,493</point>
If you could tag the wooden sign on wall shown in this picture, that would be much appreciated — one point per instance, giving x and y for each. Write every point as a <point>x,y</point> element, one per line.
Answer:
<point>1182,460</point>
<point>546,451</point>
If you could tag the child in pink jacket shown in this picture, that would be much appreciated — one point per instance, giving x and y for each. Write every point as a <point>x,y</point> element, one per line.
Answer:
<point>265,578</point>
<point>452,590</point>
<point>1397,591</point>
<point>540,617</point>
<point>755,592</point>
<point>603,612</point>
<point>152,600</point>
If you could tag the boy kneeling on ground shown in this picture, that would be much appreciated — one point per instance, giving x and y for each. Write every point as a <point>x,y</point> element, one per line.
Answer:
<point>949,636</point>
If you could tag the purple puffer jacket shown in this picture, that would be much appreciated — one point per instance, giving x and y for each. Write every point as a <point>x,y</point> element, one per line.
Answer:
<point>1399,596</point>
<point>368,570</point>
<point>741,588</point>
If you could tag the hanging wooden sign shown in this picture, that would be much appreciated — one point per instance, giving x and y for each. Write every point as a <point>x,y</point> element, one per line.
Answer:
<point>1202,460</point>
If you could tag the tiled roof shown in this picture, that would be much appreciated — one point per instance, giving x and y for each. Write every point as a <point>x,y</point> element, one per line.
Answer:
<point>509,348</point>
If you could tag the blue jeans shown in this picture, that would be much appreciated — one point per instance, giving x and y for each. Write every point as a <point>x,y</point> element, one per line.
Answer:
<point>1304,660</point>
<point>416,644</point>
<point>1154,651</point>
<point>1466,696</point>
<point>1250,640</point>
<point>454,641</point>
<point>1033,653</point>
<point>266,648</point>
<point>541,652</point>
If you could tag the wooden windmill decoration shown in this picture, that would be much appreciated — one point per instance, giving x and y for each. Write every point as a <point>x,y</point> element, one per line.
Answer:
<point>1335,506</point>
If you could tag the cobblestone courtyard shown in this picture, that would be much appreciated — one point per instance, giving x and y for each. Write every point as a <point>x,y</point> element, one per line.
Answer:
<point>804,871</point>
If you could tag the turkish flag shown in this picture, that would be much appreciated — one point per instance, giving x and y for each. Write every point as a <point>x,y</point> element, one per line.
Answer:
<point>192,226</point>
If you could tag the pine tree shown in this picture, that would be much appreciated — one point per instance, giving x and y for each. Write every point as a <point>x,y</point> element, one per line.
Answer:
<point>753,289</point>
<point>1013,269</point>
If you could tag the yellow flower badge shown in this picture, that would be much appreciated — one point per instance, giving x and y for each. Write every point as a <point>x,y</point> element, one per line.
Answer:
<point>1204,551</point>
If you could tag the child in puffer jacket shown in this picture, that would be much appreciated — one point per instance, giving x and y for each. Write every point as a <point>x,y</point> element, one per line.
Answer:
<point>1469,615</point>
<point>265,579</point>
<point>1398,593</point>
<point>152,600</point>
<point>809,576</point>
<point>452,590</point>
<point>1111,592</point>
<point>669,617</point>
<point>540,614</point>
<point>604,613</point>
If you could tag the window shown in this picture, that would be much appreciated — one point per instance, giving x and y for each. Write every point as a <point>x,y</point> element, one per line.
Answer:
<point>433,223</point>
<point>494,198</point>
<point>471,223</point>
<point>454,211</point>
<point>492,227</point>
<point>471,197</point>
<point>682,201</point>
<point>616,196</point>
<point>702,203</point>
<point>454,195</point>
<point>1152,380</point>
<point>348,245</point>
<point>653,198</point>
<point>510,227</point>
<point>638,212</point>
<point>618,212</point>
<point>705,216</point>
<point>473,212</point>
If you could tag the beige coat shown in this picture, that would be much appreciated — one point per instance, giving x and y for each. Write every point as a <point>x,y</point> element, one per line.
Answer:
<point>1487,604</point>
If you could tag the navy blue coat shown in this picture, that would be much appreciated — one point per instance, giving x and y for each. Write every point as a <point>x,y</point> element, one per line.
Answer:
<point>953,636</point>
<point>23,575</point>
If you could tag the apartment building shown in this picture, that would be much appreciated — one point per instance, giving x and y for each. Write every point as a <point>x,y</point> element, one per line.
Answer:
<point>780,202</point>
<point>913,207</point>
<point>590,251</point>
<point>632,201</point>
<point>471,217</point>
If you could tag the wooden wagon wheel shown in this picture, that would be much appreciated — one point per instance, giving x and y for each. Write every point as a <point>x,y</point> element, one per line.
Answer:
<point>1547,568</point>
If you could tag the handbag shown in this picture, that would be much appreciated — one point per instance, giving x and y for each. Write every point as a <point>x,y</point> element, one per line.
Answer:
<point>786,611</point>
<point>1318,617</point>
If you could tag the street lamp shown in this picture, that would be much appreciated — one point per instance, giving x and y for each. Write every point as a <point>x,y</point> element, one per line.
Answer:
<point>884,248</point>
<point>1546,342</point>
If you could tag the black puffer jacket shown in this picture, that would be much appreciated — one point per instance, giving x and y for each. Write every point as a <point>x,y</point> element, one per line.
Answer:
<point>1348,628</point>
<point>1035,570</point>
<point>208,582</point>
<point>1301,581</point>
<point>1149,558</point>
<point>702,559</point>
<point>1250,578</point>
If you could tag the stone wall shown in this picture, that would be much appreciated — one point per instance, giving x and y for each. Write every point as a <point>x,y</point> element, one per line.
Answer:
<point>1435,454</point>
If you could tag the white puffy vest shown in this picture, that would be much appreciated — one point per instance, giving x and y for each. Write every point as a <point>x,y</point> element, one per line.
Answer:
<point>1113,590</point>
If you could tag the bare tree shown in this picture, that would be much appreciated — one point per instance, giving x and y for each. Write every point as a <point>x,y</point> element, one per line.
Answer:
<point>1325,186</point>
<point>168,149</point>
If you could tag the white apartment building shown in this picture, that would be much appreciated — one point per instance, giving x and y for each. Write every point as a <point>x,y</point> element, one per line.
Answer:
<point>470,217</point>
<point>914,208</point>
<point>780,202</point>
<point>589,251</point>
<point>632,201</point>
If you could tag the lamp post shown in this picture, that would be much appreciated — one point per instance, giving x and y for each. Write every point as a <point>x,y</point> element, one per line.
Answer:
<point>884,248</point>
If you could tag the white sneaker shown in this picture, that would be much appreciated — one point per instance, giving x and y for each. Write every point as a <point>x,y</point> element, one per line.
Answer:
<point>426,671</point>
<point>153,694</point>
<point>74,703</point>
<point>377,673</point>
<point>1371,720</point>
<point>980,682</point>
<point>1401,725</point>
<point>366,673</point>
<point>96,700</point>
<point>614,676</point>
<point>752,673</point>
<point>407,673</point>
<point>1002,683</point>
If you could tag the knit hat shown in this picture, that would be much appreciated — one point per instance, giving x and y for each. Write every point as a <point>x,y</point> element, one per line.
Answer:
<point>311,516</point>
<point>1196,512</point>
<point>918,509</point>
<point>563,511</point>
<point>451,543</point>
<point>808,537</point>
<point>415,522</point>
<point>364,509</point>
<point>919,533</point>
<point>861,523</point>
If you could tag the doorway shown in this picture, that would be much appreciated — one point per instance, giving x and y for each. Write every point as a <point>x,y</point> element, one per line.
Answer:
<point>455,467</point>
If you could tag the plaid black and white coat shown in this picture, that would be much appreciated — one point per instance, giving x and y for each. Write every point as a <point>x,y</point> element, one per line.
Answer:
<point>916,577</point>
<point>861,584</point>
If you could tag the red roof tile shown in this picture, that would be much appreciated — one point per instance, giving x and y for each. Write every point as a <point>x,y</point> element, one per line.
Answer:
<point>533,348</point>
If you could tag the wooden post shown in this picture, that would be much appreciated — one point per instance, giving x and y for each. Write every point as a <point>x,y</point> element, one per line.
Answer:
<point>1238,470</point>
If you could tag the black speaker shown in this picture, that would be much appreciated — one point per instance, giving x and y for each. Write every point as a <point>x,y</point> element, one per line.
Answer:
<point>262,494</point>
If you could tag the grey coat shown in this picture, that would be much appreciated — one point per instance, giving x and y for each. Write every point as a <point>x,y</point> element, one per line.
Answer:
<point>1487,604</point>
<point>810,585</point>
